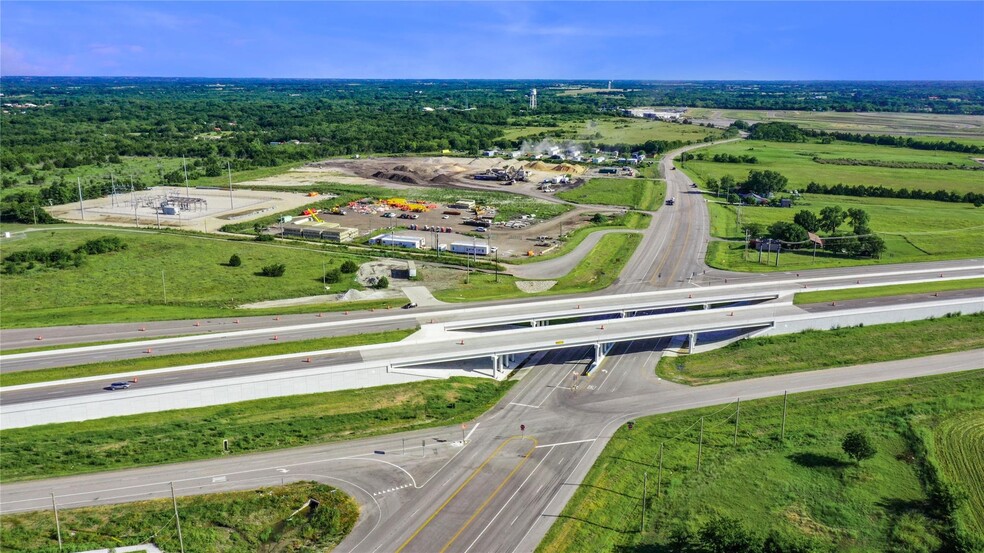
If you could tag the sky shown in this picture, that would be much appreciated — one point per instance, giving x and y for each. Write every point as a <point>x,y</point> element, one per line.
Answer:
<point>497,40</point>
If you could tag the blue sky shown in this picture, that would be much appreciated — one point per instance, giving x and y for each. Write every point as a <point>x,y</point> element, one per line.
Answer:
<point>475,40</point>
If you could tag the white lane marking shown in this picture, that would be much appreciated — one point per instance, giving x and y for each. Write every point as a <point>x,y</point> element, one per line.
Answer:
<point>524,405</point>
<point>387,463</point>
<point>566,443</point>
<point>474,428</point>
<point>508,501</point>
<point>216,479</point>
<point>514,520</point>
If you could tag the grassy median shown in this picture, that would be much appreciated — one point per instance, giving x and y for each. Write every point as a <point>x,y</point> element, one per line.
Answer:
<point>885,291</point>
<point>816,349</point>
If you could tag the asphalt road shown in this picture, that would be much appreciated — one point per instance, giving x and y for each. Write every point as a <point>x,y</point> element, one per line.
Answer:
<point>503,488</point>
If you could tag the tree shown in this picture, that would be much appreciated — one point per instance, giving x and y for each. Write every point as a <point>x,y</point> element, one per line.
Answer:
<point>733,198</point>
<point>349,266</point>
<point>871,245</point>
<point>598,218</point>
<point>235,261</point>
<point>858,445</point>
<point>382,283</point>
<point>788,232</point>
<point>728,183</point>
<point>764,183</point>
<point>831,217</point>
<point>859,219</point>
<point>808,220</point>
<point>754,230</point>
<point>275,270</point>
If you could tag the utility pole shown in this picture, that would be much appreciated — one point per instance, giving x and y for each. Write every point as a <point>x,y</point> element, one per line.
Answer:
<point>737,416</point>
<point>659,474</point>
<point>177,519</point>
<point>700,443</point>
<point>187,189</point>
<point>164,286</point>
<point>782,430</point>
<point>34,211</point>
<point>81,207</point>
<point>229,167</point>
<point>57,523</point>
<point>645,483</point>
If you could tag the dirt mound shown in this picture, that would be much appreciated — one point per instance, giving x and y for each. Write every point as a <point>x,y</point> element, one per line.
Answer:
<point>441,178</point>
<point>539,166</point>
<point>568,168</point>
<point>396,177</point>
<point>402,168</point>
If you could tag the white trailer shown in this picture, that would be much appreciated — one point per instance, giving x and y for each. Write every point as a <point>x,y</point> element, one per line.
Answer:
<point>399,241</point>
<point>471,249</point>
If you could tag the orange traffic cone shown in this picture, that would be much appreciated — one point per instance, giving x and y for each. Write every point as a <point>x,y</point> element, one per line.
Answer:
<point>461,343</point>
<point>198,323</point>
<point>602,327</point>
<point>134,380</point>
<point>40,338</point>
<point>275,337</point>
<point>149,350</point>
<point>307,360</point>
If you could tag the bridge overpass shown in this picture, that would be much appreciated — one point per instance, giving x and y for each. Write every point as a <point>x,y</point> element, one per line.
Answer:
<point>415,358</point>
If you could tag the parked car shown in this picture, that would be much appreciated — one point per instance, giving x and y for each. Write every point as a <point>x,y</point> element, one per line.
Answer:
<point>410,305</point>
<point>480,229</point>
<point>119,385</point>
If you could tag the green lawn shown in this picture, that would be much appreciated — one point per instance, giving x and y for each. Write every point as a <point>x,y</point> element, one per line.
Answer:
<point>795,161</point>
<point>817,349</point>
<point>644,194</point>
<point>884,291</point>
<point>913,230</point>
<point>235,522</point>
<point>631,220</point>
<point>181,359</point>
<point>128,285</point>
<point>250,426</point>
<point>597,271</point>
<point>804,486</point>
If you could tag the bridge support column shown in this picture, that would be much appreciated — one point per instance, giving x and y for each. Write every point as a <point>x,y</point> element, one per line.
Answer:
<point>692,342</point>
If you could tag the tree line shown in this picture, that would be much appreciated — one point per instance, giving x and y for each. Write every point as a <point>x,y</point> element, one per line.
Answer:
<point>788,132</point>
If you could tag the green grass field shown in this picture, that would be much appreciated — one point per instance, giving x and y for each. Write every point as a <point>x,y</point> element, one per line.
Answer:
<point>181,359</point>
<point>795,161</point>
<point>235,522</point>
<point>614,130</point>
<point>885,291</point>
<point>128,285</point>
<point>598,270</point>
<point>804,486</point>
<point>931,126</point>
<point>913,230</point>
<point>960,447</point>
<point>251,426</point>
<point>644,194</point>
<point>816,349</point>
<point>631,220</point>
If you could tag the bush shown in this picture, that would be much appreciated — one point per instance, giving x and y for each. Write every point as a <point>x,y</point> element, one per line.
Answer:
<point>349,267</point>
<point>235,261</point>
<point>333,276</point>
<point>382,283</point>
<point>275,270</point>
<point>858,445</point>
<point>264,238</point>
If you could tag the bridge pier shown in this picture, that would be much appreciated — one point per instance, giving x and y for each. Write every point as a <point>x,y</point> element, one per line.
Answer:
<point>691,342</point>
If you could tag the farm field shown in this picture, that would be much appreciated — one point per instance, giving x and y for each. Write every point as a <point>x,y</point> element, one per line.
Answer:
<point>813,350</point>
<point>802,488</point>
<point>251,426</point>
<point>235,522</point>
<point>128,285</point>
<point>644,194</point>
<point>960,446</point>
<point>795,162</point>
<point>940,126</point>
<point>913,230</point>
<point>630,130</point>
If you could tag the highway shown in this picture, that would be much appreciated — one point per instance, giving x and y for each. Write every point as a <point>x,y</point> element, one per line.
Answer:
<point>500,491</point>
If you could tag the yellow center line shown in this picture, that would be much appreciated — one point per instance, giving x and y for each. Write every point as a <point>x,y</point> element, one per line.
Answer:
<point>461,487</point>
<point>490,498</point>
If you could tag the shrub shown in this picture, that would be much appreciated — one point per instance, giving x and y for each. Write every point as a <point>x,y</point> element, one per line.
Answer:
<point>382,283</point>
<point>264,238</point>
<point>349,266</point>
<point>235,261</point>
<point>333,276</point>
<point>275,270</point>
